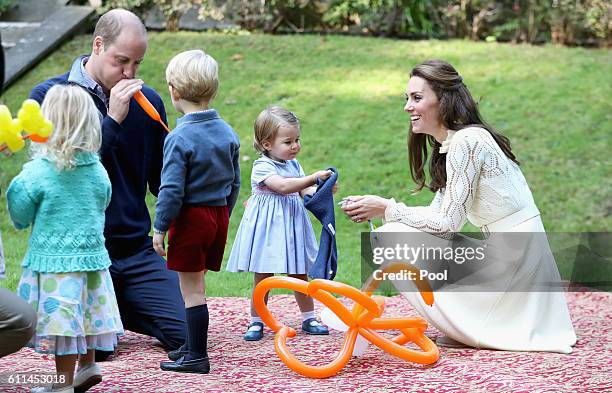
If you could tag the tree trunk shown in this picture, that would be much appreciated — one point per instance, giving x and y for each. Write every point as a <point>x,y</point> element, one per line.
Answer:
<point>520,35</point>
<point>392,19</point>
<point>477,23</point>
<point>271,28</point>
<point>464,28</point>
<point>532,32</point>
<point>172,21</point>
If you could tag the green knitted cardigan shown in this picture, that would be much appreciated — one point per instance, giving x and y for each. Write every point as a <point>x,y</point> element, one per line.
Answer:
<point>66,211</point>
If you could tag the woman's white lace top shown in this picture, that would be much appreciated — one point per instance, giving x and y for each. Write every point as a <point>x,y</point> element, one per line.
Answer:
<point>482,186</point>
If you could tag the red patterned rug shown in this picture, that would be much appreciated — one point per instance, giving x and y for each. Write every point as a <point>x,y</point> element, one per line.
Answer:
<point>239,366</point>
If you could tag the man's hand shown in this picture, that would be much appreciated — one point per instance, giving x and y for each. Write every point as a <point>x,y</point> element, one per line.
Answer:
<point>158,243</point>
<point>120,96</point>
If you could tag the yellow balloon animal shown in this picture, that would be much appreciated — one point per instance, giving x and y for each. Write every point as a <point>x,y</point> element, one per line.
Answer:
<point>29,119</point>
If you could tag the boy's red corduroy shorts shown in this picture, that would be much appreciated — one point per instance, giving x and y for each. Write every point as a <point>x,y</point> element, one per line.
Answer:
<point>196,238</point>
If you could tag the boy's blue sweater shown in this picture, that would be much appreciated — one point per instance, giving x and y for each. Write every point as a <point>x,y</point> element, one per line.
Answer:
<point>132,153</point>
<point>201,166</point>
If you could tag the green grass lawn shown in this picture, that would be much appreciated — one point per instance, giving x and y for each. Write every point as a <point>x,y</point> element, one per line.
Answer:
<point>553,103</point>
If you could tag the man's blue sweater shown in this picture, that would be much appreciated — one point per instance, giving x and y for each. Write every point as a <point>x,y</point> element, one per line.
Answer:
<point>132,153</point>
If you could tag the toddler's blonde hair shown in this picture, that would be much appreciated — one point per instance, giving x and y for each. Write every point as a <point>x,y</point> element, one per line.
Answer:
<point>76,125</point>
<point>269,121</point>
<point>194,74</point>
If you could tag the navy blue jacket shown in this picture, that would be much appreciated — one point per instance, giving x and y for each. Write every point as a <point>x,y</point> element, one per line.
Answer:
<point>132,153</point>
<point>321,204</point>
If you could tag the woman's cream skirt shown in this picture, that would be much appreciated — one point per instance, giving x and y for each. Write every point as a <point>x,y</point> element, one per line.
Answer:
<point>507,312</point>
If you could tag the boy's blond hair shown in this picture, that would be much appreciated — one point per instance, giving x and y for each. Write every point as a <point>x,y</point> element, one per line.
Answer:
<point>76,125</point>
<point>194,74</point>
<point>269,121</point>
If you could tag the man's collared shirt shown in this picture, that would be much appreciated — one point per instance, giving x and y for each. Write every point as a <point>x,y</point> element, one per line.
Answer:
<point>79,75</point>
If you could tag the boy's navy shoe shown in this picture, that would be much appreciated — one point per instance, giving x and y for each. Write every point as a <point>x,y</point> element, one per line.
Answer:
<point>197,366</point>
<point>312,326</point>
<point>178,353</point>
<point>255,332</point>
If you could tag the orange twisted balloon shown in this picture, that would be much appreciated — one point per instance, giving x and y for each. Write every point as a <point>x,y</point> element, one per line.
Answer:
<point>364,319</point>
<point>146,105</point>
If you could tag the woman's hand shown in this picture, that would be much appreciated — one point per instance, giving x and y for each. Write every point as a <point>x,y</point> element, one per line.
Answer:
<point>360,208</point>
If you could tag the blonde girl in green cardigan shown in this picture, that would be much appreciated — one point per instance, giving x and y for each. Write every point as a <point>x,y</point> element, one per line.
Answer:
<point>62,193</point>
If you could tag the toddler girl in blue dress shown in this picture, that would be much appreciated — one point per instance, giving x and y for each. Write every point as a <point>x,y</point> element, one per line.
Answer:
<point>62,194</point>
<point>275,234</point>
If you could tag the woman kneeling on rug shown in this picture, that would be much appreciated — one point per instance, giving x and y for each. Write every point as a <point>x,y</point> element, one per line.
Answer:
<point>474,176</point>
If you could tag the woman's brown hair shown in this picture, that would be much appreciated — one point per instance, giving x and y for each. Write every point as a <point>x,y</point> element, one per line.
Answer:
<point>457,110</point>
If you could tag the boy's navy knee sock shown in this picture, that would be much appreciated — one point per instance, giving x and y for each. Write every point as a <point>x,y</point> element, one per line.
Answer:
<point>197,331</point>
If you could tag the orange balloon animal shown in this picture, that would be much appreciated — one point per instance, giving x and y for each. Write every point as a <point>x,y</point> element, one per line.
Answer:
<point>364,319</point>
<point>146,105</point>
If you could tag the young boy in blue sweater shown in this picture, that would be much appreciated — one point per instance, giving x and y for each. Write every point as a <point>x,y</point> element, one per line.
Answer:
<point>199,187</point>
